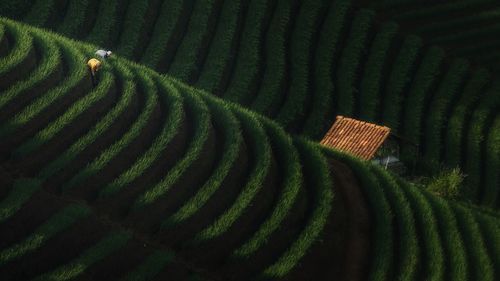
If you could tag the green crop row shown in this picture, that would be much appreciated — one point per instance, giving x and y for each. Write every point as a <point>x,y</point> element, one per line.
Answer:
<point>49,63</point>
<point>481,265</point>
<point>77,108</point>
<point>75,60</point>
<point>54,225</point>
<point>269,95</point>
<point>325,61</point>
<point>153,264</point>
<point>432,257</point>
<point>186,57</point>
<point>288,159</point>
<point>474,162</point>
<point>20,50</point>
<point>409,250</point>
<point>201,127</point>
<point>168,131</point>
<point>40,12</point>
<point>261,149</point>
<point>19,194</point>
<point>221,51</point>
<point>301,47</point>
<point>74,18</point>
<point>382,240</point>
<point>471,34</point>
<point>414,106</point>
<point>132,24</point>
<point>490,228</point>
<point>105,29</point>
<point>456,127</point>
<point>350,61</point>
<point>452,25</point>
<point>232,142</point>
<point>435,121</point>
<point>320,185</point>
<point>491,194</point>
<point>454,257</point>
<point>369,92</point>
<point>248,60</point>
<point>119,145</point>
<point>83,142</point>
<point>169,15</point>
<point>399,79</point>
<point>439,9</point>
<point>15,9</point>
<point>75,267</point>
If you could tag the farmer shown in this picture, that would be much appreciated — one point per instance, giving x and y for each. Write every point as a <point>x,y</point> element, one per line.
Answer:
<point>94,66</point>
<point>103,54</point>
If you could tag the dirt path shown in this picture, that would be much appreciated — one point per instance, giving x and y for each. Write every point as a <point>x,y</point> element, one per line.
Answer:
<point>357,243</point>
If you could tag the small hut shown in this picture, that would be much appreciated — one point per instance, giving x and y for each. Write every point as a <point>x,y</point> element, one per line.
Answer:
<point>359,138</point>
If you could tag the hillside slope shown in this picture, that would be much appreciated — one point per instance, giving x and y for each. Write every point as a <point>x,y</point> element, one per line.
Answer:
<point>301,63</point>
<point>146,178</point>
<point>465,28</point>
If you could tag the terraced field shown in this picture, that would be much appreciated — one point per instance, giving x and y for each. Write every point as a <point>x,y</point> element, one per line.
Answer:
<point>303,62</point>
<point>465,28</point>
<point>146,178</point>
<point>419,236</point>
<point>157,163</point>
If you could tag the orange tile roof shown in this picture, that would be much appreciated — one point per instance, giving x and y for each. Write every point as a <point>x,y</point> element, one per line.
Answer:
<point>359,138</point>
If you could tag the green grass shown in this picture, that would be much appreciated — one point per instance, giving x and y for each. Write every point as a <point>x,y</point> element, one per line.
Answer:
<point>167,133</point>
<point>74,18</point>
<point>232,142</point>
<point>54,225</point>
<point>490,228</point>
<point>164,29</point>
<point>321,186</point>
<point>49,62</point>
<point>76,109</point>
<point>382,237</point>
<point>77,70</point>
<point>399,79</point>
<point>432,253</point>
<point>456,265</point>
<point>105,29</point>
<point>220,53</point>
<point>350,61</point>
<point>246,70</point>
<point>151,266</point>
<point>83,142</point>
<point>132,24</point>
<point>409,250</point>
<point>201,127</point>
<point>75,267</point>
<point>325,60</point>
<point>119,145</point>
<point>19,194</point>
<point>261,150</point>
<point>492,178</point>
<point>301,46</point>
<point>371,83</point>
<point>292,181</point>
<point>184,63</point>
<point>456,128</point>
<point>40,12</point>
<point>481,265</point>
<point>474,163</point>
<point>267,99</point>
<point>419,92</point>
<point>19,49</point>
<point>436,119</point>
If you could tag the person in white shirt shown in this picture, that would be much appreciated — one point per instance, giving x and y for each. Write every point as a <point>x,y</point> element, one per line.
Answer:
<point>103,54</point>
